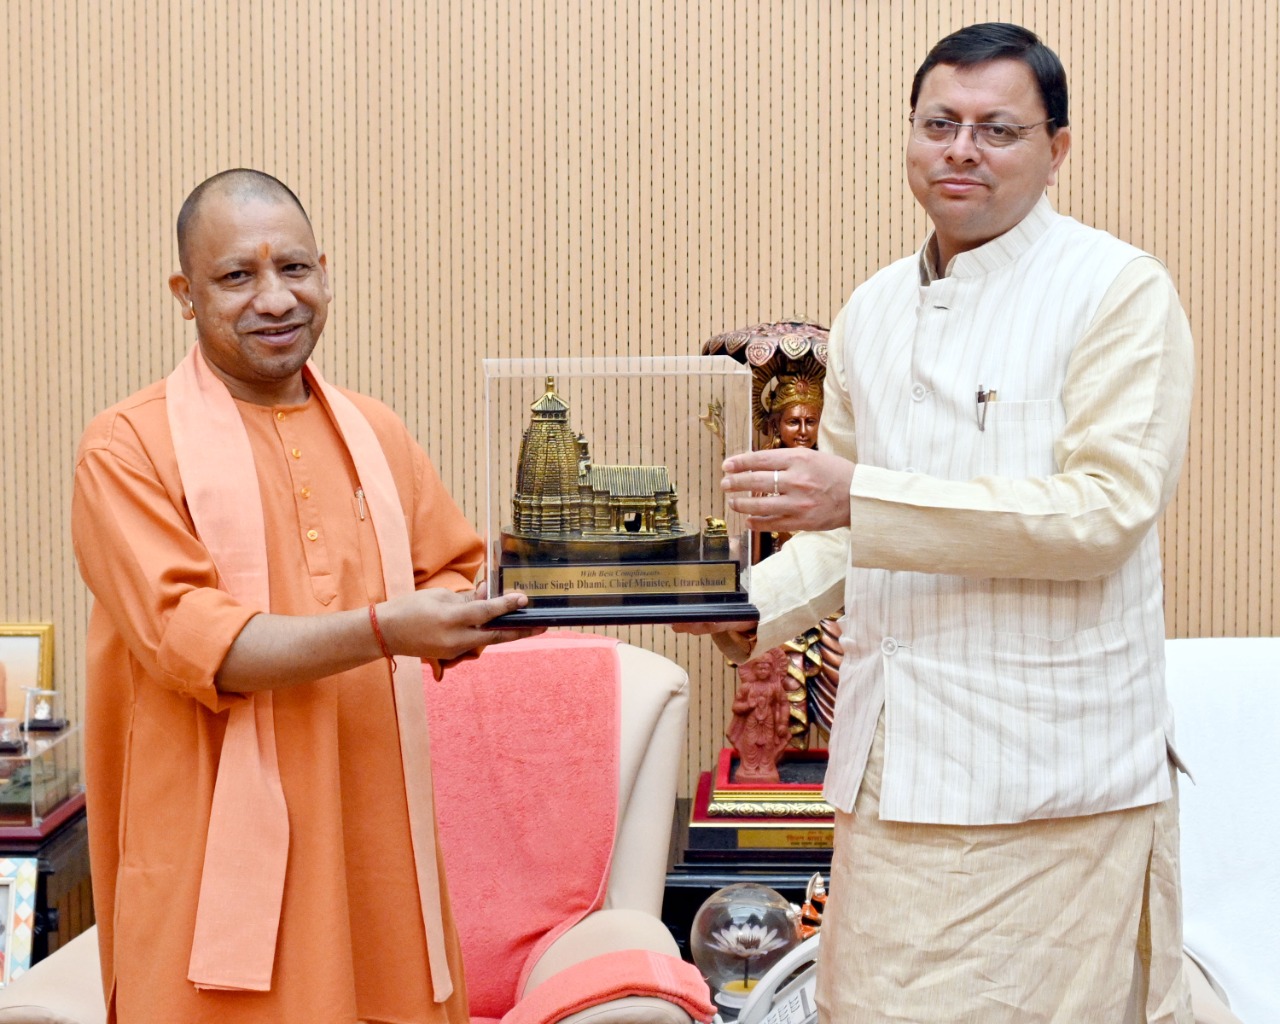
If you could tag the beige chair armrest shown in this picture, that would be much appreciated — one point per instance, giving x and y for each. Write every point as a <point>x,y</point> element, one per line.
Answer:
<point>608,931</point>
<point>63,988</point>
<point>655,711</point>
<point>605,931</point>
<point>631,1010</point>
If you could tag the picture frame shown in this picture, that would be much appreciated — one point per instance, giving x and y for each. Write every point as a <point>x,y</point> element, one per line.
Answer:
<point>26,662</point>
<point>18,877</point>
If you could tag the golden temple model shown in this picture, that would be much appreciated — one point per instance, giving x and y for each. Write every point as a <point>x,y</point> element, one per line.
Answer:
<point>566,506</point>
<point>559,490</point>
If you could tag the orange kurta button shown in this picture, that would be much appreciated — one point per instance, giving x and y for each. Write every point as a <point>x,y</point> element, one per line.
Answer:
<point>305,492</point>
<point>279,415</point>
<point>313,535</point>
<point>296,453</point>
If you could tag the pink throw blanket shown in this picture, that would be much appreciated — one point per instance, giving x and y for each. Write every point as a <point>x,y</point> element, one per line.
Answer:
<point>525,755</point>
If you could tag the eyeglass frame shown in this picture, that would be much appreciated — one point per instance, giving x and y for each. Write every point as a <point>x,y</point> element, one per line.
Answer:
<point>973,127</point>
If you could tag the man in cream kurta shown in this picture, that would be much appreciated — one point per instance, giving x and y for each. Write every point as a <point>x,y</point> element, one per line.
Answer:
<point>1005,419</point>
<point>361,557</point>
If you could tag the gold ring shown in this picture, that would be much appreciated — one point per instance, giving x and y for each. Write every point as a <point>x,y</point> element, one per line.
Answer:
<point>774,493</point>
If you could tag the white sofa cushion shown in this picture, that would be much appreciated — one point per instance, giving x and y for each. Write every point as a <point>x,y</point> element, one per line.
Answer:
<point>1226,699</point>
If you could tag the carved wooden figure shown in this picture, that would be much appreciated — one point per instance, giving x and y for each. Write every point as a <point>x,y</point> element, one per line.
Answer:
<point>761,726</point>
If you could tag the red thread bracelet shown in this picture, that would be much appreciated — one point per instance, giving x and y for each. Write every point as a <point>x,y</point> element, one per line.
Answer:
<point>382,642</point>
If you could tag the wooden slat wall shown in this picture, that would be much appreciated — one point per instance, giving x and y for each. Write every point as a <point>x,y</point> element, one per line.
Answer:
<point>578,177</point>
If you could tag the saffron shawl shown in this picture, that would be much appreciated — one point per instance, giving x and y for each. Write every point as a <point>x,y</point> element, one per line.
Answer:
<point>242,883</point>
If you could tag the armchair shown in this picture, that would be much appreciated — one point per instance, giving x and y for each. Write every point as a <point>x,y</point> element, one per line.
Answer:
<point>555,762</point>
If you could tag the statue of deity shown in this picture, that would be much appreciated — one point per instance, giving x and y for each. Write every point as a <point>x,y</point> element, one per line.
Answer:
<point>794,410</point>
<point>791,408</point>
<point>761,726</point>
<point>788,362</point>
<point>795,407</point>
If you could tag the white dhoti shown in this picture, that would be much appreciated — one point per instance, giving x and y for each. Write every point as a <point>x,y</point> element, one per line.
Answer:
<point>1062,921</point>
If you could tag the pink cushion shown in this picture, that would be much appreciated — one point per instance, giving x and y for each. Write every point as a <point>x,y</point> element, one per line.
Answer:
<point>630,972</point>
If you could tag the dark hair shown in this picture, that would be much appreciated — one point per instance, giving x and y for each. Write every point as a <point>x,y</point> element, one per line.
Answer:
<point>241,182</point>
<point>995,40</point>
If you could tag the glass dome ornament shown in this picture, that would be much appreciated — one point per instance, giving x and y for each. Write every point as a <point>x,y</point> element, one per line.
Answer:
<point>737,935</point>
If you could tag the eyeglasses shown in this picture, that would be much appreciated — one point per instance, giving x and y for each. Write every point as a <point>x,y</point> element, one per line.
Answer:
<point>938,131</point>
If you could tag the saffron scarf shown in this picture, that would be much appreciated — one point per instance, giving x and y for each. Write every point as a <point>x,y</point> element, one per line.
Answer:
<point>246,852</point>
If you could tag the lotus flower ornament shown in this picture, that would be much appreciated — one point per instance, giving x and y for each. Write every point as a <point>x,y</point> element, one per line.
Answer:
<point>747,942</point>
<point>737,935</point>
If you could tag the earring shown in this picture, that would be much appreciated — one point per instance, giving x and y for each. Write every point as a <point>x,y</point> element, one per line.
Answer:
<point>191,306</point>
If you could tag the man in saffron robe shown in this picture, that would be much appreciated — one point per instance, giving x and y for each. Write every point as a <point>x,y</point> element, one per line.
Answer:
<point>270,556</point>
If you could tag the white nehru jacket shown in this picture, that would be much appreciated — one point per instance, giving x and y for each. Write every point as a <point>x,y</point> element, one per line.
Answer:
<point>1001,586</point>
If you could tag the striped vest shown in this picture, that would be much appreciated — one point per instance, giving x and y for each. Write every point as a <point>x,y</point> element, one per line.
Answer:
<point>1005,699</point>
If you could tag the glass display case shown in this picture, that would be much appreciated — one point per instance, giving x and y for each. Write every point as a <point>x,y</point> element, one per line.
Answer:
<point>43,710</point>
<point>37,779</point>
<point>603,484</point>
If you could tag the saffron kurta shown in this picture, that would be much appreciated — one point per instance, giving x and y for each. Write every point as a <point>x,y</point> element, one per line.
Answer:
<point>351,943</point>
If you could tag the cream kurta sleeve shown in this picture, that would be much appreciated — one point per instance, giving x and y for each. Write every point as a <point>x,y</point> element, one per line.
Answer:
<point>1127,401</point>
<point>1126,397</point>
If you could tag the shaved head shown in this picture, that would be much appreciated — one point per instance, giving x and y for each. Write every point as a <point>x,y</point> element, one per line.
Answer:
<point>240,183</point>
